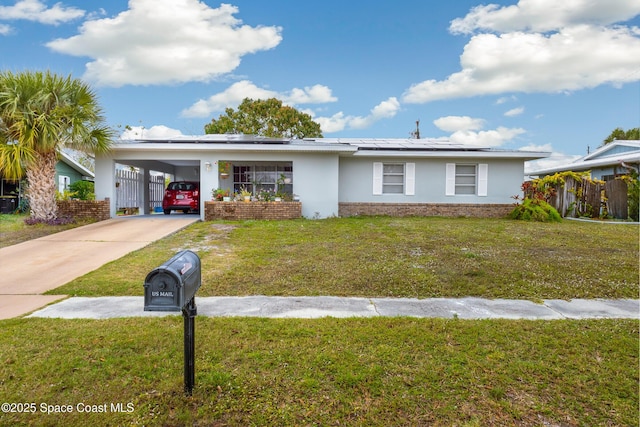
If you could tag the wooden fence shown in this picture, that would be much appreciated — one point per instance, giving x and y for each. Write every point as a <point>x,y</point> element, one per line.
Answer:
<point>586,198</point>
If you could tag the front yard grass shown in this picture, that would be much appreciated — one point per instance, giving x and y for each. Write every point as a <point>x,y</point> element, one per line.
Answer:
<point>14,230</point>
<point>354,372</point>
<point>392,257</point>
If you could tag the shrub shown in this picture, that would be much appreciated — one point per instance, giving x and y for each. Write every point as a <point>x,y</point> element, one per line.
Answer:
<point>535,210</point>
<point>83,190</point>
<point>633,192</point>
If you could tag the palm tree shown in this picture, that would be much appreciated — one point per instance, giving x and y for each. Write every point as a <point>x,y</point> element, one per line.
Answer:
<point>41,113</point>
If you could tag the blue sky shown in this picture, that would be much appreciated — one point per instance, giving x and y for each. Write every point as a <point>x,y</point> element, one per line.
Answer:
<point>531,74</point>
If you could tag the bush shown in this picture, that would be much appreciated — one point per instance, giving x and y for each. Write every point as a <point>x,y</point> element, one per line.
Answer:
<point>535,210</point>
<point>83,190</point>
<point>633,192</point>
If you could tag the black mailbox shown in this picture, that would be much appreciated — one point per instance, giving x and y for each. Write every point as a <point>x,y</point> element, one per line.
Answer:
<point>171,286</point>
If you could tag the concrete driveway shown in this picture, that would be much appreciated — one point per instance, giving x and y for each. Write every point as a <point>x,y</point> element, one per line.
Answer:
<point>31,268</point>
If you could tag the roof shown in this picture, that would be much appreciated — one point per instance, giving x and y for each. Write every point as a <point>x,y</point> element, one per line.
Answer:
<point>214,139</point>
<point>185,143</point>
<point>353,146</point>
<point>405,144</point>
<point>611,154</point>
<point>66,158</point>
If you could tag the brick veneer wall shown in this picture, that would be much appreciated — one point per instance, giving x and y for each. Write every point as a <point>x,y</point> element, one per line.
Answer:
<point>96,209</point>
<point>252,210</point>
<point>425,209</point>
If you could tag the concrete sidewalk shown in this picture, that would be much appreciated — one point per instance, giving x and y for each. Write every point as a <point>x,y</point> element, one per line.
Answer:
<point>32,268</point>
<point>316,307</point>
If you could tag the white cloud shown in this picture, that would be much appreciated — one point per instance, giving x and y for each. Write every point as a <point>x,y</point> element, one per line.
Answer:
<point>540,46</point>
<point>5,29</point>
<point>166,41</point>
<point>234,94</point>
<point>572,59</point>
<point>486,138</point>
<point>159,131</point>
<point>514,112</point>
<point>230,98</point>
<point>458,123</point>
<point>555,160</point>
<point>317,94</point>
<point>505,99</point>
<point>467,130</point>
<point>544,15</point>
<point>35,10</point>
<point>338,122</point>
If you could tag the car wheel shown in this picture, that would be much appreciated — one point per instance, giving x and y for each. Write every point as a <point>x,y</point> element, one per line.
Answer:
<point>167,211</point>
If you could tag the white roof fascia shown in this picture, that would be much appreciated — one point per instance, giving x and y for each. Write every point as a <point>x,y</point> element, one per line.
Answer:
<point>439,154</point>
<point>602,150</point>
<point>200,147</point>
<point>342,146</point>
<point>590,164</point>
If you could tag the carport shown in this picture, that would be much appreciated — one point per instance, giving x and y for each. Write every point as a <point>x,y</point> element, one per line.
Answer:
<point>140,183</point>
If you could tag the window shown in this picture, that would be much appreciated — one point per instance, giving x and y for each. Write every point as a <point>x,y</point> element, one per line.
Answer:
<point>259,177</point>
<point>466,179</point>
<point>394,178</point>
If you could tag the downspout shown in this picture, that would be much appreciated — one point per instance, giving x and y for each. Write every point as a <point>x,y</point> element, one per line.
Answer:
<point>628,166</point>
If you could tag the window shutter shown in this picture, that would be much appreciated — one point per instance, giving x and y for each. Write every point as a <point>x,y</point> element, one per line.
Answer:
<point>450,179</point>
<point>410,179</point>
<point>377,178</point>
<point>483,179</point>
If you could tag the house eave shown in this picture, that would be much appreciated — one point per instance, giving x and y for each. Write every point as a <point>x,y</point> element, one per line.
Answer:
<point>463,154</point>
<point>169,147</point>
<point>579,166</point>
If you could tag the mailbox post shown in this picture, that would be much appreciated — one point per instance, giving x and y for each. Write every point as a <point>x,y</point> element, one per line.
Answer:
<point>172,287</point>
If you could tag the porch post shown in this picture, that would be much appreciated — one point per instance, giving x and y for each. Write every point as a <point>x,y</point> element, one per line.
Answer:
<point>146,177</point>
<point>105,182</point>
<point>208,181</point>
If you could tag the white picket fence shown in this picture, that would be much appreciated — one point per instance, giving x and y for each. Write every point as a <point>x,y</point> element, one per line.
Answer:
<point>128,186</point>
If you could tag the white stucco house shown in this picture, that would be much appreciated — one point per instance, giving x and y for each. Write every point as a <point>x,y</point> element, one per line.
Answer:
<point>332,176</point>
<point>604,163</point>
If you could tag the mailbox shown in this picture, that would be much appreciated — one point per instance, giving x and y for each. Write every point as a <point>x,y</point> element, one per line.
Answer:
<point>171,286</point>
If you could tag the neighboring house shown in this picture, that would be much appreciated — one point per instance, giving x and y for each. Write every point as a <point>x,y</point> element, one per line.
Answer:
<point>332,176</point>
<point>68,171</point>
<point>605,163</point>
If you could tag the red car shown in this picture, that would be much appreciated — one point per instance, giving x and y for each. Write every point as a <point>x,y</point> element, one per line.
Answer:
<point>181,196</point>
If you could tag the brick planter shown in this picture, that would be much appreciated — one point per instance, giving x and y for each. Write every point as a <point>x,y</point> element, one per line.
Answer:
<point>425,209</point>
<point>77,209</point>
<point>252,210</point>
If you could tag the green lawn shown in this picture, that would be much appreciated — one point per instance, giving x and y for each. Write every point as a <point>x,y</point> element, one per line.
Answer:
<point>355,372</point>
<point>392,257</point>
<point>14,230</point>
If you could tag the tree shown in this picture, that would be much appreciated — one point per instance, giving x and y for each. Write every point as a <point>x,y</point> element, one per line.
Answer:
<point>41,113</point>
<point>620,134</point>
<point>265,118</point>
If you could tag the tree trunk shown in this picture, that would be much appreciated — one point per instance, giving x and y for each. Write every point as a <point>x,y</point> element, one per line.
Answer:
<point>42,187</point>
